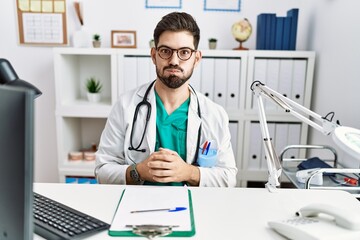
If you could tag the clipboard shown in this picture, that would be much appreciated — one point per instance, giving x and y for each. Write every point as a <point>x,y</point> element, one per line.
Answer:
<point>136,196</point>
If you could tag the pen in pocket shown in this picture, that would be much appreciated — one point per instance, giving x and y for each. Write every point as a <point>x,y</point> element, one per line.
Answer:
<point>204,147</point>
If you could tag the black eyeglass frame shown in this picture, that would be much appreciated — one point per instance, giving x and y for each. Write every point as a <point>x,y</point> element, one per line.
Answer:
<point>177,52</point>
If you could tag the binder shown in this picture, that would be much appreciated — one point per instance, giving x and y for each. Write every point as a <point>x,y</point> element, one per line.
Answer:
<point>273,69</point>
<point>233,83</point>
<point>263,161</point>
<point>260,66</point>
<point>153,197</point>
<point>220,83</point>
<point>293,14</point>
<point>281,137</point>
<point>299,78</point>
<point>279,32</point>
<point>285,77</point>
<point>286,33</point>
<point>143,70</point>
<point>233,127</point>
<point>195,80</point>
<point>294,133</point>
<point>207,77</point>
<point>261,32</point>
<point>130,73</point>
<point>256,142</point>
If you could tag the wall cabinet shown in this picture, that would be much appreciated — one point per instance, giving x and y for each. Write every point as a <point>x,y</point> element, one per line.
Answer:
<point>224,76</point>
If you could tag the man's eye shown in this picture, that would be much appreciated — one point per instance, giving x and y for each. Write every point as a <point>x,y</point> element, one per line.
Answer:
<point>165,51</point>
<point>185,52</point>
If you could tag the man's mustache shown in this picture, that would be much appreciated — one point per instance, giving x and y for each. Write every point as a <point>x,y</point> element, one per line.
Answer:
<point>174,68</point>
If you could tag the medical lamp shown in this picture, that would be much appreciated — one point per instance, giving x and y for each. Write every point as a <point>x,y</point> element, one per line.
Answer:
<point>346,138</point>
<point>9,77</point>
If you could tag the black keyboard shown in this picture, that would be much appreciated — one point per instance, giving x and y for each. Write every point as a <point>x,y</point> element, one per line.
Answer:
<point>54,220</point>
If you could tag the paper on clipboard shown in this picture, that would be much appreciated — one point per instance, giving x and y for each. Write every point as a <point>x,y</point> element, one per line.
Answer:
<point>151,197</point>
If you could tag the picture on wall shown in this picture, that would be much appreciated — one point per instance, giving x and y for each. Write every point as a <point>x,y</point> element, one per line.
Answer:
<point>123,39</point>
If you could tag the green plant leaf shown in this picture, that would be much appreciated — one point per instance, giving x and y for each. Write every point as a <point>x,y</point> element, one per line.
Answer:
<point>93,85</point>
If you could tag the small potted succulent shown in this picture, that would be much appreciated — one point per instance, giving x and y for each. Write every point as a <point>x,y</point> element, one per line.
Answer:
<point>96,40</point>
<point>93,87</point>
<point>212,43</point>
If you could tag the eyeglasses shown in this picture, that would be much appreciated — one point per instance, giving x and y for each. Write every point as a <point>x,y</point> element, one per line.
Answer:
<point>183,54</point>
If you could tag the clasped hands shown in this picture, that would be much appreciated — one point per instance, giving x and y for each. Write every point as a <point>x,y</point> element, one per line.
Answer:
<point>165,166</point>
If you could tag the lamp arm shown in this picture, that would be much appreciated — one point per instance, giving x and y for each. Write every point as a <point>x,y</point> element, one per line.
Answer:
<point>322,124</point>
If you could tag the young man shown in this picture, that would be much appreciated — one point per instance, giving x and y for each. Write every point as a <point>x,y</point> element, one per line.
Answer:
<point>155,133</point>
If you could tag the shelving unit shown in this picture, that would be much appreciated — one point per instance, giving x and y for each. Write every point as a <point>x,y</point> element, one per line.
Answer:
<point>224,76</point>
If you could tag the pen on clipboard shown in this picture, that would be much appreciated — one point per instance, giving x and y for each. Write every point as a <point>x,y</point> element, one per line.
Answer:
<point>177,209</point>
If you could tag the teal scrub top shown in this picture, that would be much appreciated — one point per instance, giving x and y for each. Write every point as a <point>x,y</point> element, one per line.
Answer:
<point>171,132</point>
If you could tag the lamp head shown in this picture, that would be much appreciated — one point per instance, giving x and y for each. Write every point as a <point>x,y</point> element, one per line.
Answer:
<point>9,77</point>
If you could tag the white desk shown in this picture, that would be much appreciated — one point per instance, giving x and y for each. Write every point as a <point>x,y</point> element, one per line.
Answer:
<point>220,213</point>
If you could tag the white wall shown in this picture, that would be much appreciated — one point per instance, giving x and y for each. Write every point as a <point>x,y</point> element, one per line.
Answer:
<point>325,26</point>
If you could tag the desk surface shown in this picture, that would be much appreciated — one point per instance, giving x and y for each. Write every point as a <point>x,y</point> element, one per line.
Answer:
<point>220,213</point>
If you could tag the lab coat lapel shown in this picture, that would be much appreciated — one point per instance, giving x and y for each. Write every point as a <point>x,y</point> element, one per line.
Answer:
<point>192,129</point>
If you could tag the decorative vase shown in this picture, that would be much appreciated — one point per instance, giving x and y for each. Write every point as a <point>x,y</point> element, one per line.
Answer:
<point>82,38</point>
<point>94,97</point>
<point>96,44</point>
<point>212,45</point>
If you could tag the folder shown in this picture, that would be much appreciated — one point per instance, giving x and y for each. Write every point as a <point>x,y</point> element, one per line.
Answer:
<point>146,205</point>
<point>299,78</point>
<point>263,159</point>
<point>208,77</point>
<point>285,77</point>
<point>273,70</point>
<point>233,83</point>
<point>260,66</point>
<point>195,80</point>
<point>130,73</point>
<point>220,83</point>
<point>255,148</point>
<point>143,65</point>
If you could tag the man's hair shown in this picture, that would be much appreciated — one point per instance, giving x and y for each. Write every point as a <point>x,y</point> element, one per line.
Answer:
<point>176,22</point>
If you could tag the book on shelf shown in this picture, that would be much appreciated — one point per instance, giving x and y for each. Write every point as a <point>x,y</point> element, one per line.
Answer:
<point>294,14</point>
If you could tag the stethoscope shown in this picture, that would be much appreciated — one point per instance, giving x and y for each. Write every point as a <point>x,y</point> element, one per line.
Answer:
<point>146,103</point>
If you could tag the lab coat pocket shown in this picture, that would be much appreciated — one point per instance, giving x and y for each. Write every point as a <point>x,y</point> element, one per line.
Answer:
<point>208,154</point>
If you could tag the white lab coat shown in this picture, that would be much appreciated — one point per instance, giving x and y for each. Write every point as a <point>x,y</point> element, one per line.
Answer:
<point>113,156</point>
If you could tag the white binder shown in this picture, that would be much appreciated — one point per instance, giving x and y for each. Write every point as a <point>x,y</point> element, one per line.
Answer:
<point>281,137</point>
<point>260,72</point>
<point>195,80</point>
<point>255,146</point>
<point>233,127</point>
<point>143,70</point>
<point>299,77</point>
<point>263,163</point>
<point>207,77</point>
<point>293,138</point>
<point>285,77</point>
<point>220,83</point>
<point>130,73</point>
<point>233,83</point>
<point>272,78</point>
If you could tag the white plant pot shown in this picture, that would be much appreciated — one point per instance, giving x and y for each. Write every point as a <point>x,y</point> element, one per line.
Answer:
<point>94,97</point>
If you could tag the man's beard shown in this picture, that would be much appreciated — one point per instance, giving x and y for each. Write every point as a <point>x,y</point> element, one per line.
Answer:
<point>173,81</point>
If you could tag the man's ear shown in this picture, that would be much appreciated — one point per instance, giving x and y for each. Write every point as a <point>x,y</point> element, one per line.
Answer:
<point>153,54</point>
<point>198,57</point>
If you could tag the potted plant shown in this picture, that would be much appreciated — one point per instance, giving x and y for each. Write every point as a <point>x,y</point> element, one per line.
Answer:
<point>96,40</point>
<point>152,43</point>
<point>93,87</point>
<point>212,43</point>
